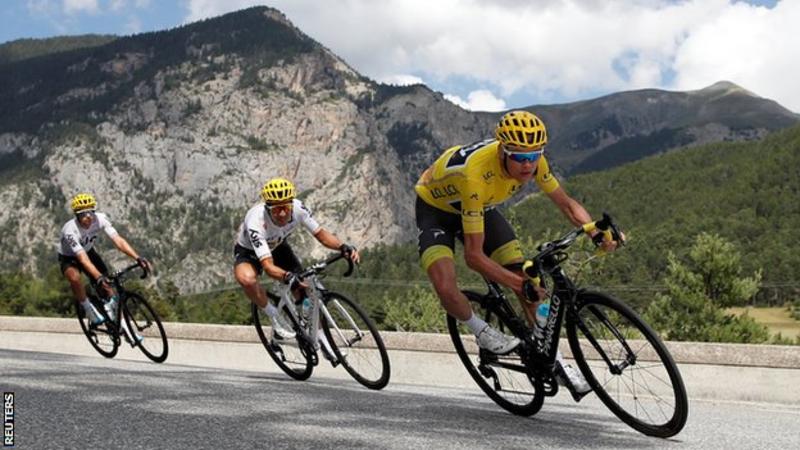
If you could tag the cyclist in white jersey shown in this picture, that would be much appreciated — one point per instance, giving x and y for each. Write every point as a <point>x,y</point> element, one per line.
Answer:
<point>261,247</point>
<point>76,252</point>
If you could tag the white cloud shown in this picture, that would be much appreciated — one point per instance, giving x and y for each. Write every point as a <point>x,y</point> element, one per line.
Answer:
<point>133,25</point>
<point>37,7</point>
<point>117,5</point>
<point>480,100</point>
<point>75,6</point>
<point>401,80</point>
<point>556,49</point>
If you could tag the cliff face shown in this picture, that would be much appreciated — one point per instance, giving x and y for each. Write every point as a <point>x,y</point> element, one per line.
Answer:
<point>176,131</point>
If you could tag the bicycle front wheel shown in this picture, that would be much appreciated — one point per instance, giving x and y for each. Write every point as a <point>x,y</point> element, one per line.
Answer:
<point>355,341</point>
<point>293,356</point>
<point>627,365</point>
<point>144,324</point>
<point>103,337</point>
<point>504,378</point>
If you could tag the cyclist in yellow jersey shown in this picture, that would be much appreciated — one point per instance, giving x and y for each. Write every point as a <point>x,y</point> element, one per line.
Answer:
<point>456,199</point>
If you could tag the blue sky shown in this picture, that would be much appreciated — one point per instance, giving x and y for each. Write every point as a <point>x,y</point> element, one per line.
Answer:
<point>496,54</point>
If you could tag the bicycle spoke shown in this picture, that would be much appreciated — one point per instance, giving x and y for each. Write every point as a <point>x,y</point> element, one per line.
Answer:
<point>630,374</point>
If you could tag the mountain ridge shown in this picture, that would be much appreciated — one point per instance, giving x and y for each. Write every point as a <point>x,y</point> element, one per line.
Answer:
<point>175,131</point>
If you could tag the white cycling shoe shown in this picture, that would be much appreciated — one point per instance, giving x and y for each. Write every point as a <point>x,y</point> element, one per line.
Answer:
<point>571,378</point>
<point>495,341</point>
<point>281,329</point>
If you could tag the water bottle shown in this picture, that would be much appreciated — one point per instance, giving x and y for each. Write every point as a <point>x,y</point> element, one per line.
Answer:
<point>542,312</point>
<point>111,307</point>
<point>306,307</point>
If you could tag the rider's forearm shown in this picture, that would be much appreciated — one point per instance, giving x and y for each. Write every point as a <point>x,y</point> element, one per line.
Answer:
<point>90,269</point>
<point>124,247</point>
<point>576,213</point>
<point>327,239</point>
<point>272,270</point>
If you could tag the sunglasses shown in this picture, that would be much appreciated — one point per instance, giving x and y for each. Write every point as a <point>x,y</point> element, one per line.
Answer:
<point>279,208</point>
<point>83,214</point>
<point>523,157</point>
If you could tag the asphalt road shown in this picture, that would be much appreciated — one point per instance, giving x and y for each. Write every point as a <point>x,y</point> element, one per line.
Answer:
<point>65,401</point>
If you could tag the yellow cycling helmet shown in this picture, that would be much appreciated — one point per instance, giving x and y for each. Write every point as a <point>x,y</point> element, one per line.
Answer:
<point>278,190</point>
<point>83,202</point>
<point>521,129</point>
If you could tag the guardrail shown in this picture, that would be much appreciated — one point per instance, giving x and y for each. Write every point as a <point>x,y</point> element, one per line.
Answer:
<point>745,355</point>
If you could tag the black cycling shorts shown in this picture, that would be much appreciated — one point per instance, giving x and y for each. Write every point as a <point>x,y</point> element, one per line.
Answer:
<point>438,231</point>
<point>282,256</point>
<point>72,261</point>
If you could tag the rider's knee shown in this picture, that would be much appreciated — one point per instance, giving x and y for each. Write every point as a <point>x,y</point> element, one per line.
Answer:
<point>246,279</point>
<point>73,277</point>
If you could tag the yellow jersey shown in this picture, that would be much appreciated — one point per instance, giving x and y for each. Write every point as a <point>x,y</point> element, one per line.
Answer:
<point>468,179</point>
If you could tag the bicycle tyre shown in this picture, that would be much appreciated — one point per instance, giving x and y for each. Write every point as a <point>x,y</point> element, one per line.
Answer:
<point>523,396</point>
<point>102,338</point>
<point>346,313</point>
<point>598,309</point>
<point>293,356</point>
<point>141,317</point>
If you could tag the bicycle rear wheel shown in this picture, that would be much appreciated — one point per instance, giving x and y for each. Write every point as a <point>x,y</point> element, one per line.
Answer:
<point>143,321</point>
<point>103,337</point>
<point>504,378</point>
<point>355,341</point>
<point>627,365</point>
<point>293,356</point>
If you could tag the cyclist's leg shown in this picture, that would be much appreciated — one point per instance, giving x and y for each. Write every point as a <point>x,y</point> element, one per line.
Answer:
<point>246,269</point>
<point>70,268</point>
<point>502,246</point>
<point>437,230</point>
<point>284,257</point>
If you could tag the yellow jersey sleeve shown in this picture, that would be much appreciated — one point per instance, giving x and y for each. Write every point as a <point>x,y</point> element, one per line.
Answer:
<point>545,179</point>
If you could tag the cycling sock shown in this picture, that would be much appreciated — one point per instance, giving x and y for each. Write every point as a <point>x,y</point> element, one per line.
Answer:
<point>87,305</point>
<point>475,324</point>
<point>270,310</point>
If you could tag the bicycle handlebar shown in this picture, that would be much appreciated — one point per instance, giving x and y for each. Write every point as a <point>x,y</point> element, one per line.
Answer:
<point>606,226</point>
<point>320,266</point>
<point>128,269</point>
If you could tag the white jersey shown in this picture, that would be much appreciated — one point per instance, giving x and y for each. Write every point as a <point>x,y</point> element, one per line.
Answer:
<point>259,233</point>
<point>75,238</point>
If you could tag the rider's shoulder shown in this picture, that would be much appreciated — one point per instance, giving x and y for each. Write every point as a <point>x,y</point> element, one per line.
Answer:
<point>300,207</point>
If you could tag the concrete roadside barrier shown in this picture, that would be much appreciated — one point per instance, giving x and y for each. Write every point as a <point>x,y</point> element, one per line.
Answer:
<point>739,372</point>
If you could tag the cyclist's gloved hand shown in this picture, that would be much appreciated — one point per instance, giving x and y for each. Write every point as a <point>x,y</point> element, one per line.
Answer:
<point>102,280</point>
<point>103,284</point>
<point>144,264</point>
<point>291,279</point>
<point>529,290</point>
<point>350,252</point>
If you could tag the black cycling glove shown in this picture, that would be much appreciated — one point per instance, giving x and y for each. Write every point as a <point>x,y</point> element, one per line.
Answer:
<point>291,279</point>
<point>347,250</point>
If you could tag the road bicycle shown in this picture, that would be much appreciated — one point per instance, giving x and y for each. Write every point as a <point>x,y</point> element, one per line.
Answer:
<point>622,358</point>
<point>352,337</point>
<point>141,328</point>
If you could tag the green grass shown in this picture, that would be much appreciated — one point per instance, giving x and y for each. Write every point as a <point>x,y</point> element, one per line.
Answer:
<point>777,319</point>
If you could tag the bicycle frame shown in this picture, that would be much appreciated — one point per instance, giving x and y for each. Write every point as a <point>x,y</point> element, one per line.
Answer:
<point>315,292</point>
<point>539,354</point>
<point>115,280</point>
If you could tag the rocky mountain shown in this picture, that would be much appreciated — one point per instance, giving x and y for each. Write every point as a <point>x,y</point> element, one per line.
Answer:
<point>175,132</point>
